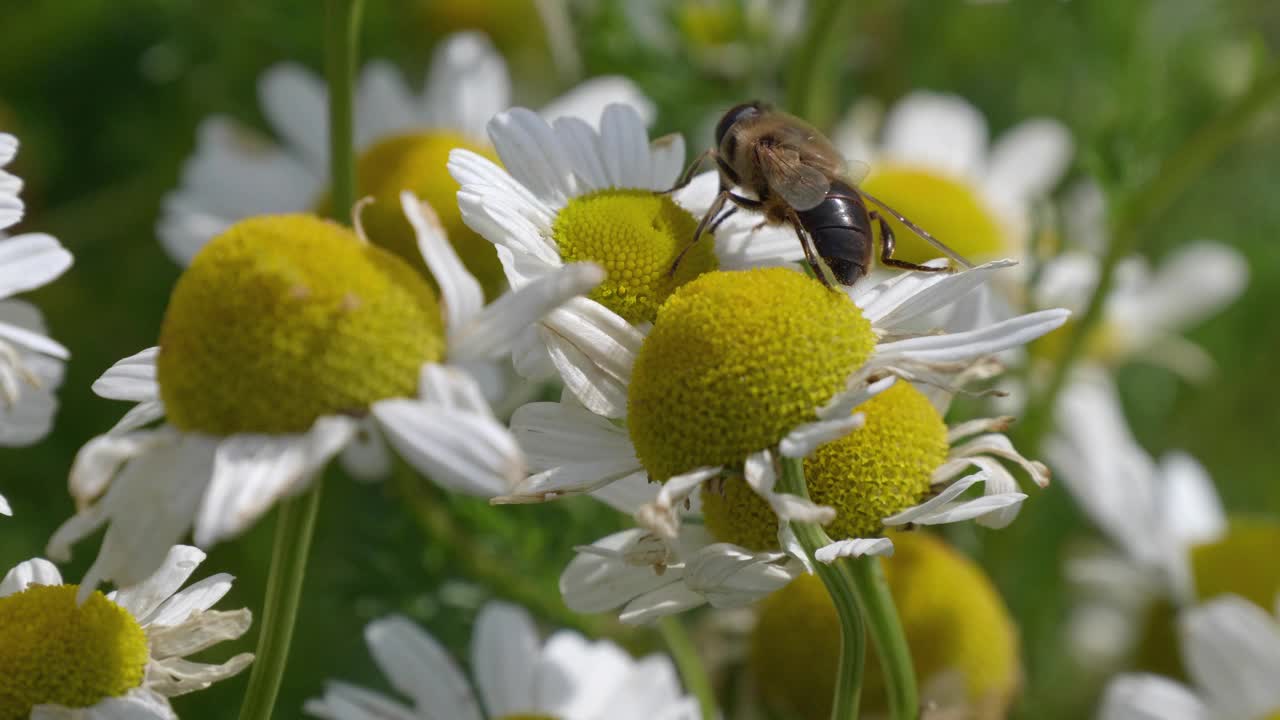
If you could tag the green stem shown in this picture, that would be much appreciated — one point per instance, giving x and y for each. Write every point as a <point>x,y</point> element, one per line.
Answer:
<point>342,34</point>
<point>814,79</point>
<point>695,677</point>
<point>840,582</point>
<point>1127,222</point>
<point>891,642</point>
<point>295,523</point>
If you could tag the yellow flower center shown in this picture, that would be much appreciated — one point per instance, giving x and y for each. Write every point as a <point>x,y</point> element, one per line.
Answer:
<point>736,360</point>
<point>417,162</point>
<point>949,208</point>
<point>283,319</point>
<point>1103,343</point>
<point>709,24</point>
<point>876,471</point>
<point>954,620</point>
<point>53,651</point>
<point>635,235</point>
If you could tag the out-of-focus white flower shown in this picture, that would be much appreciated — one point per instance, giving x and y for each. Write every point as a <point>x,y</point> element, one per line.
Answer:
<point>568,677</point>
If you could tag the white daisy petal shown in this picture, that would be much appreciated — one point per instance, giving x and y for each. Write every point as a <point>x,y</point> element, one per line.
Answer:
<point>419,667</point>
<point>668,599</point>
<point>729,576</point>
<point>589,99</point>
<point>36,571</point>
<point>462,450</point>
<point>101,458</point>
<point>492,331</point>
<point>143,598</point>
<point>666,158</point>
<point>806,438</point>
<point>137,704</point>
<point>8,148</point>
<point>629,493</point>
<point>30,261</point>
<point>624,144</point>
<point>30,339</point>
<point>384,106</point>
<point>573,479</point>
<point>348,702</point>
<point>460,292</point>
<point>132,379</point>
<point>954,347</point>
<point>1218,274</point>
<point>467,84</point>
<point>936,131</point>
<point>503,643</point>
<point>853,548</point>
<point>1192,511</point>
<point>195,598</point>
<point>941,501</point>
<point>177,676</point>
<point>138,417</point>
<point>1150,697</point>
<point>252,472</point>
<point>367,456</point>
<point>559,433</point>
<point>842,404</point>
<point>593,349</point>
<point>1231,648</point>
<point>5,509</point>
<point>295,103</point>
<point>934,291</point>
<point>1028,161</point>
<point>531,153</point>
<point>593,583</point>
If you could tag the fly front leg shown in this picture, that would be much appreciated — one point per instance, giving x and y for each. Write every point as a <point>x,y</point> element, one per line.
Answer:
<point>687,176</point>
<point>888,244</point>
<point>711,212</point>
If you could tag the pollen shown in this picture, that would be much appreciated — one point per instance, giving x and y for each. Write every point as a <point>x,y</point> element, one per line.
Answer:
<point>284,319</point>
<point>954,619</point>
<point>636,236</point>
<point>417,162</point>
<point>948,208</point>
<point>876,471</point>
<point>54,651</point>
<point>736,360</point>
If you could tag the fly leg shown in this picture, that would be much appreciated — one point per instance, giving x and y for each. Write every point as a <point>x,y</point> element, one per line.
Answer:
<point>888,245</point>
<point>686,177</point>
<point>711,212</point>
<point>820,268</point>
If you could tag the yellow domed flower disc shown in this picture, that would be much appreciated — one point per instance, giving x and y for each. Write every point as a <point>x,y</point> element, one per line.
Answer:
<point>1103,343</point>
<point>954,620</point>
<point>875,471</point>
<point>53,651</point>
<point>635,235</point>
<point>418,162</point>
<point>735,361</point>
<point>283,319</point>
<point>948,208</point>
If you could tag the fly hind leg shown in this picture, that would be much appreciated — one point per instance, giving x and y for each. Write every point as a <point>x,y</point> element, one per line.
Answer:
<point>820,269</point>
<point>888,244</point>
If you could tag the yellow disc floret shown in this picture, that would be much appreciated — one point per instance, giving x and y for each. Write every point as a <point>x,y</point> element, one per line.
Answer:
<point>954,620</point>
<point>283,319</point>
<point>53,651</point>
<point>417,162</point>
<point>734,362</point>
<point>876,471</point>
<point>948,208</point>
<point>635,235</point>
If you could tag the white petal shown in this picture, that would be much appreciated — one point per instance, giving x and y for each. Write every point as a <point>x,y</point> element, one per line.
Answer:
<point>531,153</point>
<point>1192,511</point>
<point>593,349</point>
<point>939,509</point>
<point>624,145</point>
<point>460,292</point>
<point>588,100</point>
<point>1231,648</point>
<point>1196,282</point>
<point>101,458</point>
<point>593,583</point>
<point>560,433</point>
<point>143,598</point>
<point>503,647</point>
<point>467,85</point>
<point>8,148</point>
<point>195,598</point>
<point>295,103</point>
<point>936,131</point>
<point>348,702</point>
<point>31,340</point>
<point>5,509</point>
<point>36,571</point>
<point>630,493</point>
<point>491,333</point>
<point>133,378</point>
<point>367,456</point>
<point>1150,697</point>
<point>252,472</point>
<point>176,676</point>
<point>905,298</point>
<point>420,668</point>
<point>956,347</point>
<point>1027,161</point>
<point>462,450</point>
<point>853,548</point>
<point>729,576</point>
<point>30,261</point>
<point>803,440</point>
<point>666,600</point>
<point>137,704</point>
<point>842,404</point>
<point>384,106</point>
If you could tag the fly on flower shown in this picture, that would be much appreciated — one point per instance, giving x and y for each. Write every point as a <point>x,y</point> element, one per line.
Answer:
<point>795,175</point>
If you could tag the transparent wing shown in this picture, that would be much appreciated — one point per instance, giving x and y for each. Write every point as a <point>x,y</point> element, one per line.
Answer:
<point>941,246</point>
<point>855,171</point>
<point>801,185</point>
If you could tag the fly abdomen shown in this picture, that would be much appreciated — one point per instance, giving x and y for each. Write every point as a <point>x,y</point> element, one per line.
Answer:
<point>841,232</point>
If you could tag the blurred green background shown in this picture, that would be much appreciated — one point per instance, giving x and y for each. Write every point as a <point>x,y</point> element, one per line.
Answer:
<point>105,97</point>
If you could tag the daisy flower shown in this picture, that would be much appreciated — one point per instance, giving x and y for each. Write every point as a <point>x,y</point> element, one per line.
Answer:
<point>31,363</point>
<point>1231,649</point>
<point>1148,307</point>
<point>288,341</point>
<point>963,640</point>
<point>741,367</point>
<point>123,654</point>
<point>404,139</point>
<point>567,192</point>
<point>568,677</point>
<point>932,163</point>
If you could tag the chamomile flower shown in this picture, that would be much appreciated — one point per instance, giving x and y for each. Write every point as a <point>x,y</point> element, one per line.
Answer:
<point>119,655</point>
<point>741,367</point>
<point>404,139</point>
<point>932,163</point>
<point>1148,307</point>
<point>291,340</point>
<point>1231,649</point>
<point>962,639</point>
<point>566,678</point>
<point>567,192</point>
<point>31,363</point>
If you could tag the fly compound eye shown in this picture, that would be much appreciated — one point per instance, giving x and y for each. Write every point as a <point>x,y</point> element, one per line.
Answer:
<point>736,113</point>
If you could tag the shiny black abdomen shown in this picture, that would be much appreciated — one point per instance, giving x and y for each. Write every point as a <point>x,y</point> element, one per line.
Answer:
<point>841,232</point>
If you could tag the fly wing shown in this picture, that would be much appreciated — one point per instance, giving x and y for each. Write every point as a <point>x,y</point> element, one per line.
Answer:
<point>801,185</point>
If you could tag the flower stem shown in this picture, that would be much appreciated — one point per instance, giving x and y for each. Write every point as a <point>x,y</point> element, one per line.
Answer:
<point>295,521</point>
<point>690,665</point>
<point>342,33</point>
<point>890,639</point>
<point>839,577</point>
<point>813,82</point>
